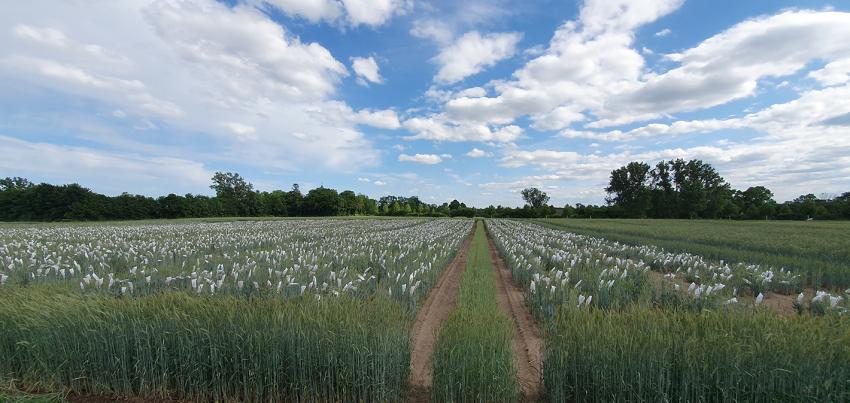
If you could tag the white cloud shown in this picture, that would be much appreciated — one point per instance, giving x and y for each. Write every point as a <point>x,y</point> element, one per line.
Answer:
<point>473,92</point>
<point>428,159</point>
<point>585,62</point>
<point>373,12</point>
<point>242,132</point>
<point>311,10</point>
<point>437,30</point>
<point>438,129</point>
<point>801,160</point>
<point>729,65</point>
<point>233,63</point>
<point>356,12</point>
<point>379,183</point>
<point>362,179</point>
<point>56,38</point>
<point>384,119</point>
<point>834,73</point>
<point>339,113</point>
<point>663,32</point>
<point>112,172</point>
<point>366,70</point>
<point>476,153</point>
<point>472,53</point>
<point>592,71</point>
<point>444,22</point>
<point>812,109</point>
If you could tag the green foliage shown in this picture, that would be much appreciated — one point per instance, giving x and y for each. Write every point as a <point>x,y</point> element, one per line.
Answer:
<point>237,196</point>
<point>204,349</point>
<point>534,197</point>
<point>659,355</point>
<point>321,201</point>
<point>473,360</point>
<point>629,188</point>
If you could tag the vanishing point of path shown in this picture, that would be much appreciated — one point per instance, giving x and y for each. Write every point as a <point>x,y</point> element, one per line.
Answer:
<point>527,343</point>
<point>441,301</point>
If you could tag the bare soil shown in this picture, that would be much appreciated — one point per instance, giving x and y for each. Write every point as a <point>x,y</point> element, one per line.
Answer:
<point>527,342</point>
<point>441,300</point>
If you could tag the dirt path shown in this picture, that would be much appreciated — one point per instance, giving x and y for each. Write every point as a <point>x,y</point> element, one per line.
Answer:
<point>527,343</point>
<point>440,301</point>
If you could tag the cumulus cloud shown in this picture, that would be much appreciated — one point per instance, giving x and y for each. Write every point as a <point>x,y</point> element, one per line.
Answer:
<point>729,65</point>
<point>812,109</point>
<point>366,70</point>
<point>438,129</point>
<point>384,119</point>
<point>311,10</point>
<point>663,32</point>
<point>592,72</point>
<point>834,73</point>
<point>585,62</point>
<point>472,53</point>
<point>811,158</point>
<point>242,132</point>
<point>429,159</point>
<point>355,12</point>
<point>373,12</point>
<point>476,153</point>
<point>263,85</point>
<point>112,172</point>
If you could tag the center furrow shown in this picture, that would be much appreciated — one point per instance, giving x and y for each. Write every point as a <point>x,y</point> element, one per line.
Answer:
<point>440,301</point>
<point>527,342</point>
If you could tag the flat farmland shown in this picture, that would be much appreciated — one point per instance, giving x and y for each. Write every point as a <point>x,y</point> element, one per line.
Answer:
<point>418,310</point>
<point>818,249</point>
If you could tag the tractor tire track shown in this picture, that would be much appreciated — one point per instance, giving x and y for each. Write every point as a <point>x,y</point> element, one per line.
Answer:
<point>527,342</point>
<point>439,303</point>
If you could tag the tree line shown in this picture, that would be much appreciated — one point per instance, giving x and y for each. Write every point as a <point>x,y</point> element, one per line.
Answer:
<point>670,189</point>
<point>694,189</point>
<point>22,200</point>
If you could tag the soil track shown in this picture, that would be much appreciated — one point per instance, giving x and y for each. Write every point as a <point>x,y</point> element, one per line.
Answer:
<point>441,300</point>
<point>527,343</point>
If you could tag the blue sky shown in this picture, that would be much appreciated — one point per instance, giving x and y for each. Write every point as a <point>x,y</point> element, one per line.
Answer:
<point>472,100</point>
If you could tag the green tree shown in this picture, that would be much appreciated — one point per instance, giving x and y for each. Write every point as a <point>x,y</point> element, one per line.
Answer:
<point>236,194</point>
<point>347,203</point>
<point>534,197</point>
<point>628,188</point>
<point>294,201</point>
<point>321,201</point>
<point>16,183</point>
<point>756,202</point>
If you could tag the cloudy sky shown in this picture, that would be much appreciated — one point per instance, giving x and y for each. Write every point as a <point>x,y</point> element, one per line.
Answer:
<point>471,100</point>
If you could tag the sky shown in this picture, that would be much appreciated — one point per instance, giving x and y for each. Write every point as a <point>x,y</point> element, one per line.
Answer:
<point>471,100</point>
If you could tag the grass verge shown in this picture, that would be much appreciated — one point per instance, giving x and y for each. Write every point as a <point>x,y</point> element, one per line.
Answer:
<point>473,359</point>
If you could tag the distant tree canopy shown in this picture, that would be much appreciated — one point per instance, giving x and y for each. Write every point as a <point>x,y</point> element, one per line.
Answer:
<point>672,189</point>
<point>534,197</point>
<point>694,189</point>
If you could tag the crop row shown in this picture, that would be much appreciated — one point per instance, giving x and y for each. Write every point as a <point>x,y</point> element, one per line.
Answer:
<point>315,310</point>
<point>560,267</point>
<point>473,360</point>
<point>396,258</point>
<point>614,335</point>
